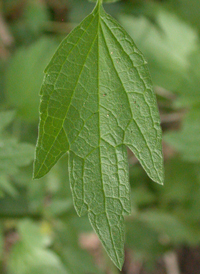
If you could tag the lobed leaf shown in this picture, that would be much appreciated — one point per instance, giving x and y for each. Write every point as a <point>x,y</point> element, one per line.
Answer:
<point>97,98</point>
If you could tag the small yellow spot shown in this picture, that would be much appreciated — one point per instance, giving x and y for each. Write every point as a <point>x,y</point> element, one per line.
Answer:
<point>111,52</point>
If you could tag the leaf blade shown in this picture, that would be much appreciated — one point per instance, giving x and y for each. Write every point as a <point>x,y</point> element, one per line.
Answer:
<point>96,117</point>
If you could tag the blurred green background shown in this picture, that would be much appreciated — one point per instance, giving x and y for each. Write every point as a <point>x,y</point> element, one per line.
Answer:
<point>40,232</point>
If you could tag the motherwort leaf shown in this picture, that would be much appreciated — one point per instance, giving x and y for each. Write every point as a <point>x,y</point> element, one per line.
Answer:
<point>97,98</point>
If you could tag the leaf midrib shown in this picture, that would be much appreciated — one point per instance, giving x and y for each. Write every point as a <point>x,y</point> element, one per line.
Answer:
<point>99,99</point>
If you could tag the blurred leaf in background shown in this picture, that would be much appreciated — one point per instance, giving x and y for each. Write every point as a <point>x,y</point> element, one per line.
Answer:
<point>24,77</point>
<point>37,259</point>
<point>13,154</point>
<point>167,45</point>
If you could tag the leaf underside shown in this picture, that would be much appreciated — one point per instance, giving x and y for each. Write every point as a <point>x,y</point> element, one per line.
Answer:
<point>96,99</point>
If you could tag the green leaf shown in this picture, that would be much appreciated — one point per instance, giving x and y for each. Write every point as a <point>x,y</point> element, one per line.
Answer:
<point>24,260</point>
<point>31,234</point>
<point>27,66</point>
<point>29,255</point>
<point>14,155</point>
<point>97,98</point>
<point>167,45</point>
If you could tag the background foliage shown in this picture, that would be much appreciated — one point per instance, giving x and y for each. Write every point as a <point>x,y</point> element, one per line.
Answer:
<point>39,228</point>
